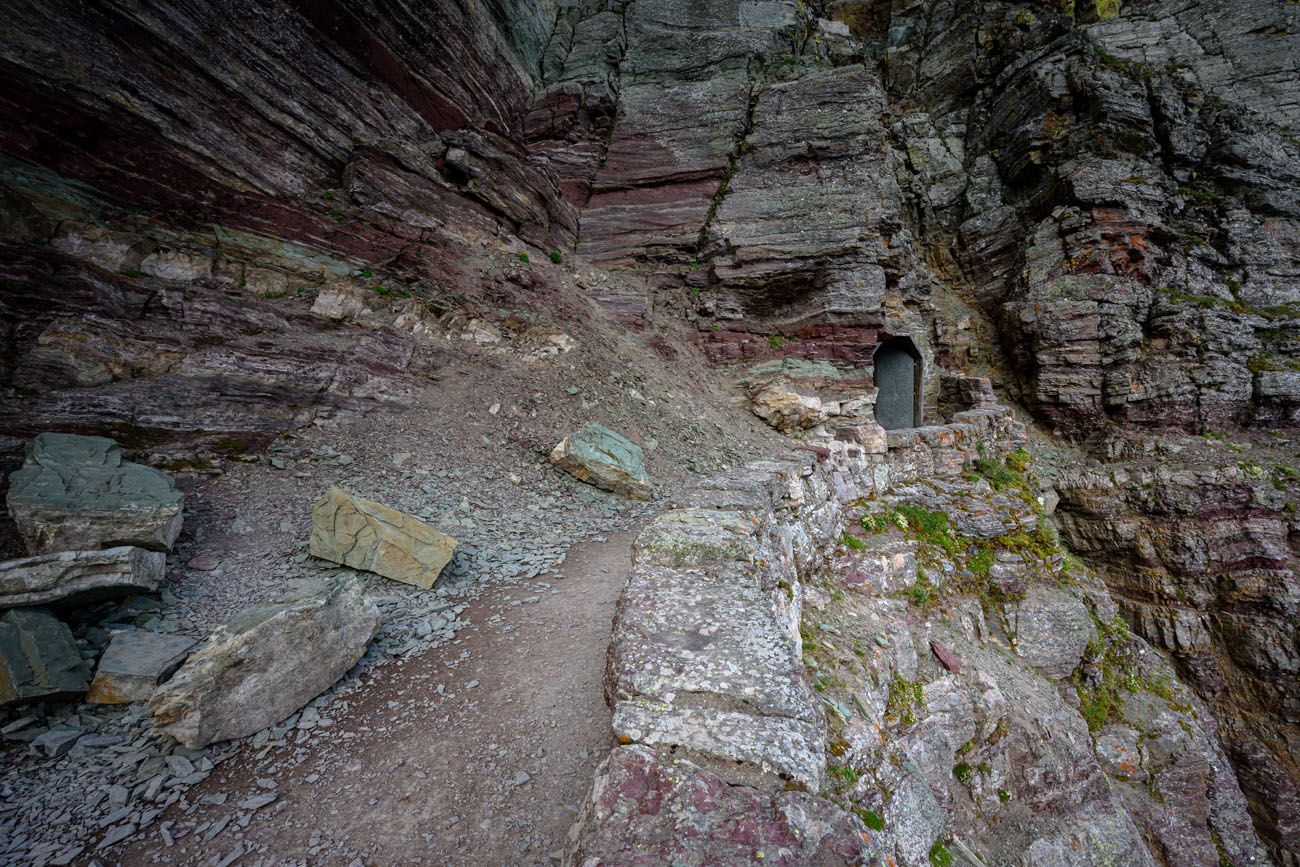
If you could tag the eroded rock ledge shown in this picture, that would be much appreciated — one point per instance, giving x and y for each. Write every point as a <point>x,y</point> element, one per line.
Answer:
<point>768,669</point>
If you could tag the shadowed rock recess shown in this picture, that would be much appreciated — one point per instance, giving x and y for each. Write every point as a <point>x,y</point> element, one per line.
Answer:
<point>943,357</point>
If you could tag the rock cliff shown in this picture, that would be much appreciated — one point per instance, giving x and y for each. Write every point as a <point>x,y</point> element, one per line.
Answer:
<point>221,222</point>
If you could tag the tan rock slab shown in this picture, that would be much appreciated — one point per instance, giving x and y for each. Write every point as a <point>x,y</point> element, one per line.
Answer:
<point>367,535</point>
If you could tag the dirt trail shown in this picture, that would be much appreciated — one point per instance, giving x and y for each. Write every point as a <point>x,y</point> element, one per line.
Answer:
<point>478,752</point>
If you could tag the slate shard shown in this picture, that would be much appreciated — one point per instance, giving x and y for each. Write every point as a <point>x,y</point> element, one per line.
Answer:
<point>38,658</point>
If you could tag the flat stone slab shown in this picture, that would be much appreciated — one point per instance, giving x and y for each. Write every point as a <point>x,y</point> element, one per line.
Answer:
<point>135,662</point>
<point>267,661</point>
<point>599,456</point>
<point>648,807</point>
<point>38,658</point>
<point>746,749</point>
<point>366,535</point>
<point>79,576</point>
<point>685,631</point>
<point>75,493</point>
<point>698,537</point>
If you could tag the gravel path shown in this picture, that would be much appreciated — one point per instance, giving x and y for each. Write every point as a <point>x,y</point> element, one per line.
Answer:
<point>477,752</point>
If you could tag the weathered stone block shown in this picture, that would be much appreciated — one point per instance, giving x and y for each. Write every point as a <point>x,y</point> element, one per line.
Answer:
<point>38,658</point>
<point>267,661</point>
<point>79,575</point>
<point>697,537</point>
<point>75,493</point>
<point>341,301</point>
<point>715,633</point>
<point>135,662</point>
<point>366,535</point>
<point>601,457</point>
<point>746,749</point>
<point>871,436</point>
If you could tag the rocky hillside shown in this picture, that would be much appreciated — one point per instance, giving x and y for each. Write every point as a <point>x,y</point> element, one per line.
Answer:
<point>251,238</point>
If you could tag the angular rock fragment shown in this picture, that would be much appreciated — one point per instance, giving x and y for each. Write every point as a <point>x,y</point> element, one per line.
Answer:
<point>366,535</point>
<point>135,662</point>
<point>266,662</point>
<point>82,576</point>
<point>341,301</point>
<point>38,658</point>
<point>599,456</point>
<point>75,493</point>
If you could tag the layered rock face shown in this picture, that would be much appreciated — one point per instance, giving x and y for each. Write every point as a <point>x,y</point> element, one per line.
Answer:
<point>1121,195</point>
<point>1202,562</point>
<point>250,153</point>
<point>1094,203</point>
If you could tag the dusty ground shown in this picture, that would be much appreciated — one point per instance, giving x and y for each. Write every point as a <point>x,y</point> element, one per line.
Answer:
<point>425,768</point>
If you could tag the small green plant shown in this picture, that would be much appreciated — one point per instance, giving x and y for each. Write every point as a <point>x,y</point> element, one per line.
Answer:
<point>939,855</point>
<point>963,773</point>
<point>985,769</point>
<point>389,291</point>
<point>1200,196</point>
<point>905,696</point>
<point>981,562</point>
<point>523,257</point>
<point>328,194</point>
<point>872,820</point>
<point>843,772</point>
<point>849,540</point>
<point>775,341</point>
<point>1004,795</point>
<point>557,257</point>
<point>997,473</point>
<point>366,273</point>
<point>933,528</point>
<point>1019,460</point>
<point>272,294</point>
<point>922,593</point>
<point>1267,361</point>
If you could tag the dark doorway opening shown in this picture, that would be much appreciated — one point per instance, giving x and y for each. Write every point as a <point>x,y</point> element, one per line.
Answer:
<point>898,384</point>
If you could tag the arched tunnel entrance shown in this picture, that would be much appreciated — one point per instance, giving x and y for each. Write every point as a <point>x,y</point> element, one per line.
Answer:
<point>898,383</point>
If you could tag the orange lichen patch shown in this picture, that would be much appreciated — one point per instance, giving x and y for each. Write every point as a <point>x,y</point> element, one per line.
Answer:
<point>102,691</point>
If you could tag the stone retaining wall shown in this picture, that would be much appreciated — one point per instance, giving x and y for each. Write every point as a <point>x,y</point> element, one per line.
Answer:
<point>705,672</point>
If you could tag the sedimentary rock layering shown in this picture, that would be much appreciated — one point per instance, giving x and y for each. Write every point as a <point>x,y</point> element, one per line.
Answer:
<point>944,354</point>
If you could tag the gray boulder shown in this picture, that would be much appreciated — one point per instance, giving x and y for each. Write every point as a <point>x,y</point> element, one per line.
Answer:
<point>599,456</point>
<point>75,493</point>
<point>79,575</point>
<point>267,661</point>
<point>38,658</point>
<point>134,664</point>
